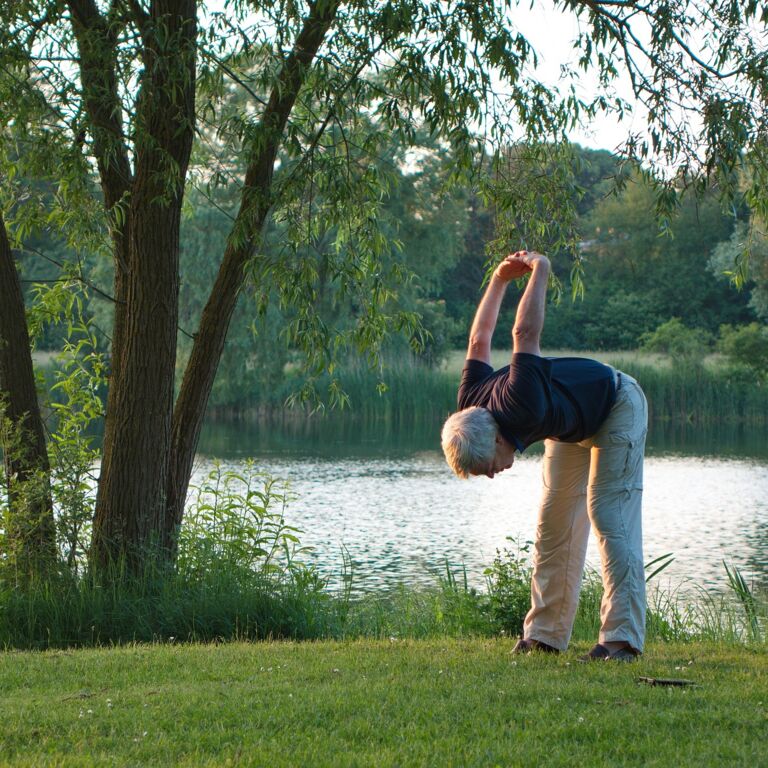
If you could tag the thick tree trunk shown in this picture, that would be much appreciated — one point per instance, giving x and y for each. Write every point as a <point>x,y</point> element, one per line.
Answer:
<point>131,498</point>
<point>30,528</point>
<point>256,200</point>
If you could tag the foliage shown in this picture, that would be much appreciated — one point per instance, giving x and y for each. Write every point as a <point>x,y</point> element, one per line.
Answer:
<point>73,398</point>
<point>746,598</point>
<point>24,505</point>
<point>747,346</point>
<point>509,586</point>
<point>679,342</point>
<point>748,239</point>
<point>75,401</point>
<point>236,522</point>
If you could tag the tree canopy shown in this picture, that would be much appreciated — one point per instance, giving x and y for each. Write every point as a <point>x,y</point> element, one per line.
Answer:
<point>123,109</point>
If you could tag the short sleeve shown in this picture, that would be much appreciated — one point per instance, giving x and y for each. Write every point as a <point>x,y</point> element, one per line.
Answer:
<point>525,395</point>
<point>473,375</point>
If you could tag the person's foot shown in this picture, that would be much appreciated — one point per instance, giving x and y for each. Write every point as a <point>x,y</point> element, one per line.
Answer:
<point>624,654</point>
<point>597,652</point>
<point>529,645</point>
<point>600,652</point>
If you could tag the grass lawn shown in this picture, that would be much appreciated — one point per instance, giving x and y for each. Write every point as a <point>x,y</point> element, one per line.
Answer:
<point>381,703</point>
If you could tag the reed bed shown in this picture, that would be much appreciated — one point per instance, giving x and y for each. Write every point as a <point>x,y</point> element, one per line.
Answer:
<point>683,393</point>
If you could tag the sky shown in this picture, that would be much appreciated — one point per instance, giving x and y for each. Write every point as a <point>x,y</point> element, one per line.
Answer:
<point>552,34</point>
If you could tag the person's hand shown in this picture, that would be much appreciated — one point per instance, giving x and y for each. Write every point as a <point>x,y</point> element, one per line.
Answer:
<point>513,267</point>
<point>533,257</point>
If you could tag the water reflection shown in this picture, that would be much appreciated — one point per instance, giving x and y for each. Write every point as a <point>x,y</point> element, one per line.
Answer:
<point>349,437</point>
<point>384,493</point>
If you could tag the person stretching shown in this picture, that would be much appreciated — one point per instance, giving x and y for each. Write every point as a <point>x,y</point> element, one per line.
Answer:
<point>593,420</point>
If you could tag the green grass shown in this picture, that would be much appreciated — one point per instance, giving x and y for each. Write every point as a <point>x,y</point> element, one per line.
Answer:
<point>711,393</point>
<point>384,703</point>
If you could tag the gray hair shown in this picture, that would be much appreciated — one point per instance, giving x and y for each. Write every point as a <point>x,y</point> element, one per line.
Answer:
<point>469,440</point>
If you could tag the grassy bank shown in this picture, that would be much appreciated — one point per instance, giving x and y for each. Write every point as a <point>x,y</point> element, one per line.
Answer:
<point>224,604</point>
<point>384,703</point>
<point>710,393</point>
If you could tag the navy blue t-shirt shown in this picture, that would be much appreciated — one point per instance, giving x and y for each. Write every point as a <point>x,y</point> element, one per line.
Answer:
<point>562,398</point>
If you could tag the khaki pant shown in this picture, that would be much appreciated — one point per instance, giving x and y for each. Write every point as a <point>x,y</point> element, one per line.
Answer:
<point>597,481</point>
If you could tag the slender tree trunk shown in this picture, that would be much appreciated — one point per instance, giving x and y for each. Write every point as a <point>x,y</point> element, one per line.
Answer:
<point>256,200</point>
<point>30,528</point>
<point>131,498</point>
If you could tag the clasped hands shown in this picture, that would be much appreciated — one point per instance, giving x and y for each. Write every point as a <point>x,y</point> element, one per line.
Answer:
<point>518,264</point>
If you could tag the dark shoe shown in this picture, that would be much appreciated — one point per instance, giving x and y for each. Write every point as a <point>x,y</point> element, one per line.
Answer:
<point>623,654</point>
<point>529,645</point>
<point>601,653</point>
<point>596,653</point>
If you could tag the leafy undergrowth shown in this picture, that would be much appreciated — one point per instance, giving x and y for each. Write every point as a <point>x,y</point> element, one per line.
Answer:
<point>441,702</point>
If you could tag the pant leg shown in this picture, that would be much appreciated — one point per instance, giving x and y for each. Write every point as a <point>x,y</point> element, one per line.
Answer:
<point>614,501</point>
<point>561,544</point>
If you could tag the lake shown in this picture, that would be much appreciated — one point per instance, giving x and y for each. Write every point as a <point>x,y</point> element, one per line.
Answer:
<point>384,493</point>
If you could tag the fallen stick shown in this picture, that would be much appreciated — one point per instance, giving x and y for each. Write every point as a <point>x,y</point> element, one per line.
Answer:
<point>664,681</point>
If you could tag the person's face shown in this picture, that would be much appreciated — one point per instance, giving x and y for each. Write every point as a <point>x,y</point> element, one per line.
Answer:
<point>503,459</point>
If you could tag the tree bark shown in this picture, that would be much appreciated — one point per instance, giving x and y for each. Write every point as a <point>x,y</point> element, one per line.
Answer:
<point>30,527</point>
<point>255,204</point>
<point>130,503</point>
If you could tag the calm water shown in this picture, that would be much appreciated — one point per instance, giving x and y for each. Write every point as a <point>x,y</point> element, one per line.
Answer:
<point>386,495</point>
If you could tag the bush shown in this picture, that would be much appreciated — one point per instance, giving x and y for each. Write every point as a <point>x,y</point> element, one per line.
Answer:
<point>746,345</point>
<point>677,340</point>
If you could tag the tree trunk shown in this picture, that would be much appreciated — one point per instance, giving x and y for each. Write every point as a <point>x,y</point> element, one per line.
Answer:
<point>96,44</point>
<point>131,498</point>
<point>255,204</point>
<point>30,528</point>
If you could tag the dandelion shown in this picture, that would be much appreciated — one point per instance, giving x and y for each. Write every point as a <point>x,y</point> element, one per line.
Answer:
<point>581,719</point>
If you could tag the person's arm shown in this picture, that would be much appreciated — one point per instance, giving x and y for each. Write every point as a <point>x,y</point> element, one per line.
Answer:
<point>487,314</point>
<point>529,321</point>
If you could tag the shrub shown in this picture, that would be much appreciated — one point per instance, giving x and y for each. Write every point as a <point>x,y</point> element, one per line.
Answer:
<point>746,345</point>
<point>677,340</point>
